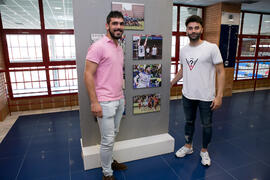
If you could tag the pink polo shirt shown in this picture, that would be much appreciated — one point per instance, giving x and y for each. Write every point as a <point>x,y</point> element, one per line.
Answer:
<point>109,74</point>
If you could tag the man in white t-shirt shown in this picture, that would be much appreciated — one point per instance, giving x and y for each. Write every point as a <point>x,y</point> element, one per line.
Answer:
<point>141,47</point>
<point>200,62</point>
<point>154,52</point>
<point>147,50</point>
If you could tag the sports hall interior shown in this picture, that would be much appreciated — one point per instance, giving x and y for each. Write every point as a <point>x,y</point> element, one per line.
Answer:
<point>40,132</point>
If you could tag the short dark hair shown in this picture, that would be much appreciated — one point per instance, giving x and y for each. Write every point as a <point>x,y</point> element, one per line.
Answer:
<point>194,18</point>
<point>114,14</point>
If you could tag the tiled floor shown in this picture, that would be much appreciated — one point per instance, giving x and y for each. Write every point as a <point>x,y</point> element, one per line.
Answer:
<point>47,146</point>
<point>10,120</point>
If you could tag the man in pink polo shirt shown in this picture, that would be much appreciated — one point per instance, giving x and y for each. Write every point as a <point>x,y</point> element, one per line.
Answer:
<point>104,81</point>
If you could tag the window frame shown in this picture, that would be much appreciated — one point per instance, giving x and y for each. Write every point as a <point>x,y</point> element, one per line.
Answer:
<point>45,52</point>
<point>257,59</point>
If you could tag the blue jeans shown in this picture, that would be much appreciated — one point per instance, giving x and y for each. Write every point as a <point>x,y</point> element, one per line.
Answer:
<point>109,127</point>
<point>190,109</point>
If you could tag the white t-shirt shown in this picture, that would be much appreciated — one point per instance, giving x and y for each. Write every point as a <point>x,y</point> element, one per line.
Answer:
<point>199,72</point>
<point>147,50</point>
<point>141,52</point>
<point>143,80</point>
<point>154,51</point>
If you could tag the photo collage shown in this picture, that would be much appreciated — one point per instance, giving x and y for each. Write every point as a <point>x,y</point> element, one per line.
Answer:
<point>144,47</point>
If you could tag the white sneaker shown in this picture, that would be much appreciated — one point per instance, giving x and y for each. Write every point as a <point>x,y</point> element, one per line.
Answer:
<point>205,158</point>
<point>184,151</point>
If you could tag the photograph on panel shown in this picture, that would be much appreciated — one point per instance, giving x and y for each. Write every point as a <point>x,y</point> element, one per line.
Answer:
<point>122,43</point>
<point>146,75</point>
<point>146,103</point>
<point>96,37</point>
<point>133,14</point>
<point>147,47</point>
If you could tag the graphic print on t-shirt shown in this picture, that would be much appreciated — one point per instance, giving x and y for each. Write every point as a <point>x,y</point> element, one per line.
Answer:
<point>191,63</point>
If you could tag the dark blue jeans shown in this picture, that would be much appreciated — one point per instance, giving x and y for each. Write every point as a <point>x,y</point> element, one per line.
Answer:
<point>190,109</point>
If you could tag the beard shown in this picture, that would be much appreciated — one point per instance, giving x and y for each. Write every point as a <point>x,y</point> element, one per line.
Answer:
<point>194,36</point>
<point>115,35</point>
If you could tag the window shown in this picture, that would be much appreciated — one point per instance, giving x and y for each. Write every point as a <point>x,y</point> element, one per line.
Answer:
<point>63,79</point>
<point>20,14</point>
<point>245,70</point>
<point>28,81</point>
<point>265,29</point>
<point>41,51</point>
<point>248,47</point>
<point>24,48</point>
<point>174,23</point>
<point>184,40</point>
<point>185,12</point>
<point>173,70</point>
<point>263,69</point>
<point>264,47</point>
<point>253,51</point>
<point>61,47</point>
<point>173,46</point>
<point>58,14</point>
<point>251,23</point>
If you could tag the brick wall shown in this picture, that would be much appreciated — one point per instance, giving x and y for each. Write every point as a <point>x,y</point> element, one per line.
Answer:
<point>176,91</point>
<point>36,103</point>
<point>3,99</point>
<point>229,73</point>
<point>212,19</point>
<point>231,7</point>
<point>249,84</point>
<point>212,23</point>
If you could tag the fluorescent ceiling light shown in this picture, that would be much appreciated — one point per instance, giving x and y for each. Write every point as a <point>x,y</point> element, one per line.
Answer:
<point>57,8</point>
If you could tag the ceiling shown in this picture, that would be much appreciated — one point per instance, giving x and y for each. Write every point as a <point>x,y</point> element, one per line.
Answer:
<point>247,5</point>
<point>24,14</point>
<point>58,14</point>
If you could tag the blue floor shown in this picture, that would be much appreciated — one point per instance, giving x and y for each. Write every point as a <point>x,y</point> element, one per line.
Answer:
<point>47,146</point>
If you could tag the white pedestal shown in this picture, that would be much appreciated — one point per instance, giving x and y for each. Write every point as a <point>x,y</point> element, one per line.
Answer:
<point>130,150</point>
